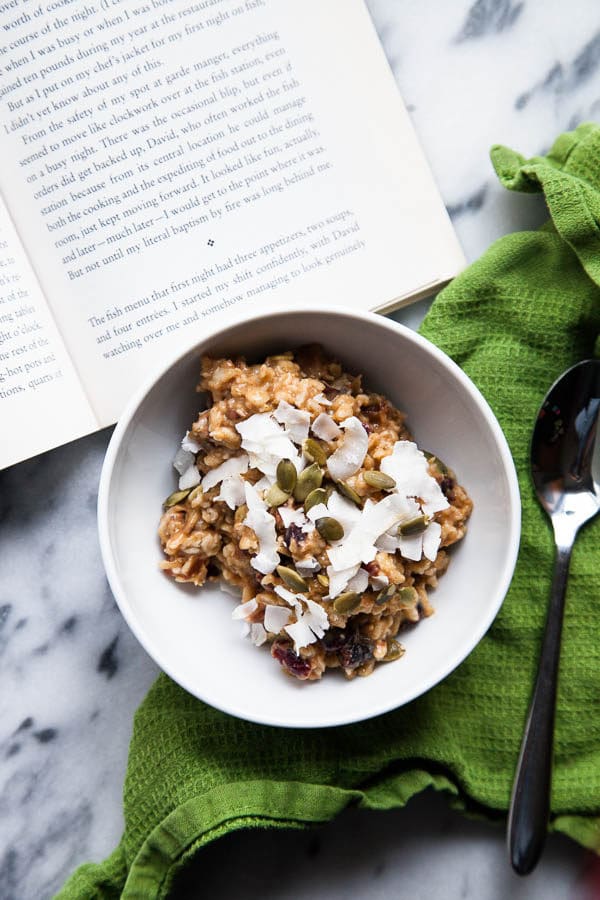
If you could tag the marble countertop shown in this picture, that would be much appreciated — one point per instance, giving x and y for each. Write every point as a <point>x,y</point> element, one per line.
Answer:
<point>472,74</point>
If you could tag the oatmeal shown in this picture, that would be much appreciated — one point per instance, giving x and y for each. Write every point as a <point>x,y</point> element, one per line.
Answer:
<point>306,493</point>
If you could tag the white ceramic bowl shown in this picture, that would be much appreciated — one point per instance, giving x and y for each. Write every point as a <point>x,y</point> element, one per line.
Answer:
<point>189,631</point>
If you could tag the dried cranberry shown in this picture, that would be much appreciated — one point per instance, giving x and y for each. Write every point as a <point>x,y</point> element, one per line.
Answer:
<point>372,568</point>
<point>293,532</point>
<point>351,647</point>
<point>290,661</point>
<point>447,485</point>
<point>355,653</point>
<point>334,639</point>
<point>311,359</point>
<point>330,392</point>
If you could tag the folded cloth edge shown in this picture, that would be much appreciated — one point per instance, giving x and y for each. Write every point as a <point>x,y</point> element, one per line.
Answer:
<point>206,817</point>
<point>570,185</point>
<point>282,804</point>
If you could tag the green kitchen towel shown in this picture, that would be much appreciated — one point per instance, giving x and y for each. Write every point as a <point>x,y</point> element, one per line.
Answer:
<point>513,320</point>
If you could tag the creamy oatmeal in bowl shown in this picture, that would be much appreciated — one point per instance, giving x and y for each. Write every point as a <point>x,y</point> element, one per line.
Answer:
<point>410,393</point>
<point>304,491</point>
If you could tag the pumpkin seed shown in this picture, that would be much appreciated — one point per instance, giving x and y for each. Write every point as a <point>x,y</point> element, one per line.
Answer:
<point>175,498</point>
<point>275,496</point>
<point>379,480</point>
<point>385,594</point>
<point>195,498</point>
<point>286,475</point>
<point>408,596</point>
<point>293,580</point>
<point>439,465</point>
<point>314,451</point>
<point>413,526</point>
<point>319,495</point>
<point>349,493</point>
<point>308,480</point>
<point>323,580</point>
<point>347,602</point>
<point>329,528</point>
<point>394,651</point>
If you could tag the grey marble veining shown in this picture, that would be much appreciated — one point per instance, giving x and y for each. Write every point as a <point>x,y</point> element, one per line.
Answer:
<point>71,672</point>
<point>472,74</point>
<point>491,71</point>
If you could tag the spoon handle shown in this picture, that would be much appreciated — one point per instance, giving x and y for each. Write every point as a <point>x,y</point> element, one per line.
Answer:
<point>530,802</point>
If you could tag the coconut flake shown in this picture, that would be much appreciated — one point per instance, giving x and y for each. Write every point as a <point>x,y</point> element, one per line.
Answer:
<point>301,634</point>
<point>378,582</point>
<point>360,582</point>
<point>294,600</point>
<point>232,492</point>
<point>185,464</point>
<point>190,478</point>
<point>244,610</point>
<point>266,443</point>
<point>322,399</point>
<point>312,620</point>
<point>229,474</point>
<point>296,421</point>
<point>258,635</point>
<point>276,617</point>
<point>319,620</point>
<point>188,443</point>
<point>183,460</point>
<point>432,537</point>
<point>309,564</point>
<point>411,546</point>
<point>387,542</point>
<point>290,516</point>
<point>235,465</point>
<point>391,540</point>
<point>407,465</point>
<point>262,524</point>
<point>311,625</point>
<point>375,519</point>
<point>344,511</point>
<point>318,511</point>
<point>325,427</point>
<point>339,579</point>
<point>350,455</point>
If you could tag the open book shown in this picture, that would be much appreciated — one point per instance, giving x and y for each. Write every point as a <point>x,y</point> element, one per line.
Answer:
<point>172,160</point>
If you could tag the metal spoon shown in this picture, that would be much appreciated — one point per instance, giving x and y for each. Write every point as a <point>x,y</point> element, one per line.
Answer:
<point>561,464</point>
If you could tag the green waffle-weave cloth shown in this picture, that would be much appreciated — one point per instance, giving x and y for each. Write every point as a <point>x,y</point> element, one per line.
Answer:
<point>514,320</point>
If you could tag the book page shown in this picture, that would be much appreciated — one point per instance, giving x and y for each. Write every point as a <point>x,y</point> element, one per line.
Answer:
<point>41,400</point>
<point>175,160</point>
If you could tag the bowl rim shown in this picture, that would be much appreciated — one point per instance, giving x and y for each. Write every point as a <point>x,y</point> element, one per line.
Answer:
<point>215,331</point>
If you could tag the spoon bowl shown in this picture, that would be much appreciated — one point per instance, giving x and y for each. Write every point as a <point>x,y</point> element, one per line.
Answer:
<point>563,443</point>
<point>563,473</point>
